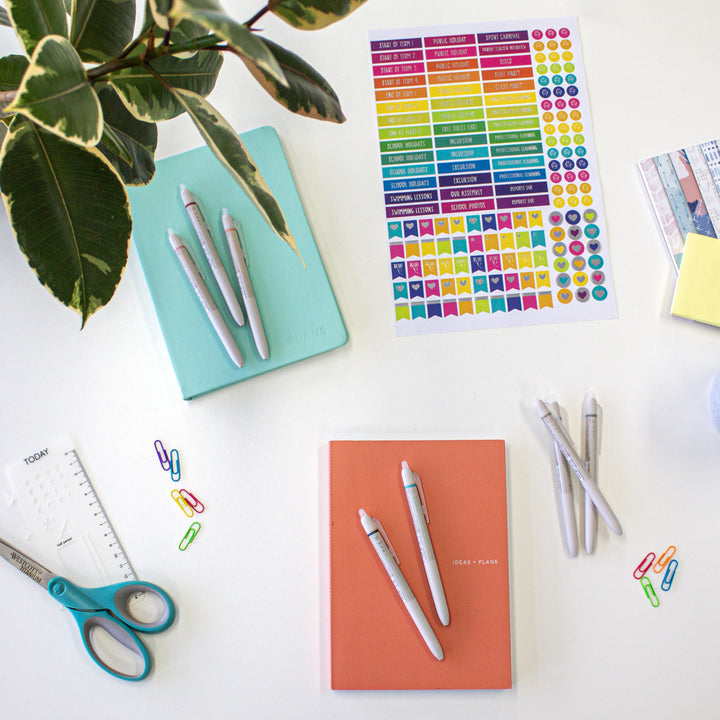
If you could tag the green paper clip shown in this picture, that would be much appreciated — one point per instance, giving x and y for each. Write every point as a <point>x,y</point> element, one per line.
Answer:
<point>189,536</point>
<point>649,591</point>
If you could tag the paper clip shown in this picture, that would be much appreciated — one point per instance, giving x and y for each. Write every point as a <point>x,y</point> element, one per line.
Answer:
<point>174,465</point>
<point>162,455</point>
<point>644,566</point>
<point>649,591</point>
<point>180,500</point>
<point>669,575</point>
<point>192,501</point>
<point>189,536</point>
<point>664,559</point>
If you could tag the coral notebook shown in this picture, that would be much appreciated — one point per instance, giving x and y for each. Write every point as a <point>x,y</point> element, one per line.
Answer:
<point>374,643</point>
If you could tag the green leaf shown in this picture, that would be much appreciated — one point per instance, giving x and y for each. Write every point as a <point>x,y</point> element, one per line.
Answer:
<point>243,41</point>
<point>34,19</point>
<point>12,69</point>
<point>308,92</point>
<point>134,159</point>
<point>55,93</point>
<point>70,213</point>
<point>314,14</point>
<point>101,29</point>
<point>149,100</point>
<point>232,153</point>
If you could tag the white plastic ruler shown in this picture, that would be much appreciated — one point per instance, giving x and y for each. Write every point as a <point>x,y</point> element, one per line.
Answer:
<point>49,509</point>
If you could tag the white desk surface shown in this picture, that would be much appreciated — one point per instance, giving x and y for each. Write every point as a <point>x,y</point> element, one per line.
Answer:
<point>252,639</point>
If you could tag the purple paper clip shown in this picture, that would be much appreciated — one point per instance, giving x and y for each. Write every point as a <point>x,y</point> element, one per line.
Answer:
<point>644,566</point>
<point>162,455</point>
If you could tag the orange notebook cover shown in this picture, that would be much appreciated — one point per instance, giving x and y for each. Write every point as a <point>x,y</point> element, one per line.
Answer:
<point>374,642</point>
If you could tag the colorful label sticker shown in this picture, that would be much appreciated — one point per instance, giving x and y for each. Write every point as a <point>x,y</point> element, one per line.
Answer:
<point>489,176</point>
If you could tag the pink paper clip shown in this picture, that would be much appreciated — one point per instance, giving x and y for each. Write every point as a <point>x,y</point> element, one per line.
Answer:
<point>192,501</point>
<point>162,455</point>
<point>644,566</point>
<point>664,559</point>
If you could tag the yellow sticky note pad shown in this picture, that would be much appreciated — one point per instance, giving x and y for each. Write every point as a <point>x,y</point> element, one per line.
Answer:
<point>697,294</point>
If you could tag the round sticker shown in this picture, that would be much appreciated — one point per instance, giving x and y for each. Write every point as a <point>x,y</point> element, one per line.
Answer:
<point>599,292</point>
<point>572,217</point>
<point>554,165</point>
<point>561,265</point>
<point>564,32</point>
<point>570,79</point>
<point>564,296</point>
<point>558,92</point>
<point>550,33</point>
<point>593,246</point>
<point>543,80</point>
<point>552,153</point>
<point>580,279</point>
<point>589,215</point>
<point>568,164</point>
<point>595,261</point>
<point>573,201</point>
<point>560,104</point>
<point>592,231</point>
<point>558,202</point>
<point>569,176</point>
<point>587,200</point>
<point>578,263</point>
<point>572,90</point>
<point>557,234</point>
<point>576,247</point>
<point>582,295</point>
<point>555,218</point>
<point>598,277</point>
<point>559,249</point>
<point>555,177</point>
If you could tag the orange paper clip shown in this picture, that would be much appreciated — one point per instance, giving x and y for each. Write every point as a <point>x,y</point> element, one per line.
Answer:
<point>180,500</point>
<point>664,559</point>
<point>649,591</point>
<point>192,501</point>
<point>644,566</point>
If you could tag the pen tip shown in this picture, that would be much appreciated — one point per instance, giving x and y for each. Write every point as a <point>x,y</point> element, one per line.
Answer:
<point>405,466</point>
<point>362,513</point>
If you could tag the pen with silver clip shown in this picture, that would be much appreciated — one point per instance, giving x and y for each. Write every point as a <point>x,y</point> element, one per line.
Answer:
<point>418,510</point>
<point>387,558</point>
<point>590,451</point>
<point>578,466</point>
<point>565,499</point>
<point>237,252</point>
<point>218,270</point>
<point>206,300</point>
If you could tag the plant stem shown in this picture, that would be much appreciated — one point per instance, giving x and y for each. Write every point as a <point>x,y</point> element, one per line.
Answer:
<point>268,8</point>
<point>207,42</point>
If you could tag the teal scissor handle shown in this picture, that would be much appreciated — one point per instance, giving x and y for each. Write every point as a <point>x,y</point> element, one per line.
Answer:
<point>105,613</point>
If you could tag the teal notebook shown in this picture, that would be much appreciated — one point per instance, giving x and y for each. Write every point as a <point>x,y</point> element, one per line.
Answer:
<point>297,305</point>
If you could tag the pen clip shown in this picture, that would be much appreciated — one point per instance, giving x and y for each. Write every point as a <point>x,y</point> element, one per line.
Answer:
<point>421,494</point>
<point>385,537</point>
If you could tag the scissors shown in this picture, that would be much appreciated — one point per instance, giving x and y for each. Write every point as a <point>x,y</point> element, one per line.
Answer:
<point>104,615</point>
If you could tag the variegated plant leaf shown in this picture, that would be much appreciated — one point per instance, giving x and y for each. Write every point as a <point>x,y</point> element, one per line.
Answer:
<point>70,213</point>
<point>12,69</point>
<point>160,9</point>
<point>314,14</point>
<point>148,99</point>
<point>308,93</point>
<point>128,143</point>
<point>101,29</point>
<point>243,41</point>
<point>232,153</point>
<point>56,94</point>
<point>34,19</point>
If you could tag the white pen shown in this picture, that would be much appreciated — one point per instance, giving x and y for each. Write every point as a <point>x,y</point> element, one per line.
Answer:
<point>216,318</point>
<point>578,466</point>
<point>237,252</point>
<point>564,496</point>
<point>218,270</point>
<point>401,584</point>
<point>590,451</point>
<point>420,518</point>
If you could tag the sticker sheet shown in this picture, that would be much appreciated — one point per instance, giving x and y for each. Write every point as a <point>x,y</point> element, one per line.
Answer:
<point>490,180</point>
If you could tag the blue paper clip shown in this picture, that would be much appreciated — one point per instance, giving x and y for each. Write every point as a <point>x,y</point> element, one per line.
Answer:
<point>162,455</point>
<point>669,575</point>
<point>644,566</point>
<point>649,591</point>
<point>189,536</point>
<point>174,465</point>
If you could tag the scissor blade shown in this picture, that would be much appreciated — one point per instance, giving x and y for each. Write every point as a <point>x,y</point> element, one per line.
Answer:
<point>25,564</point>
